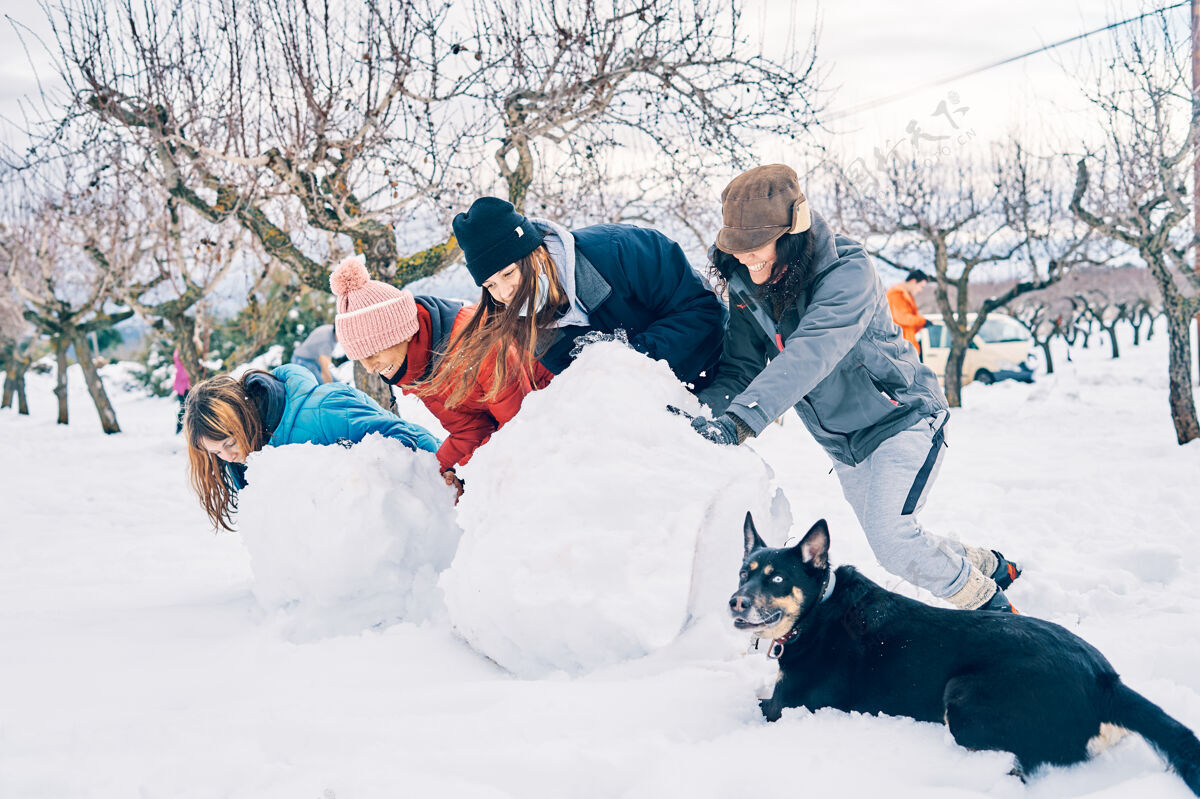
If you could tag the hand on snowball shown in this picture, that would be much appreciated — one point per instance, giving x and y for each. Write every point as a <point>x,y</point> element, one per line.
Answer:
<point>722,430</point>
<point>452,479</point>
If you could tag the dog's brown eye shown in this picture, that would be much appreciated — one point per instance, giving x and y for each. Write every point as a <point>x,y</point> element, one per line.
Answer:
<point>742,576</point>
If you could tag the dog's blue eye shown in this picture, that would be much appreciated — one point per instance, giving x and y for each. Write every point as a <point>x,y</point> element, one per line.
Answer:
<point>777,579</point>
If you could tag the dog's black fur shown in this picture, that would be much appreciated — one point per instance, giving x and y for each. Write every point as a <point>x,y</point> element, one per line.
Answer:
<point>998,680</point>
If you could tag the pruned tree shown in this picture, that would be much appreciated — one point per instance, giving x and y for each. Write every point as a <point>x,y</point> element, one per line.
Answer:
<point>65,295</point>
<point>1131,189</point>
<point>568,83</point>
<point>167,261</point>
<point>257,113</point>
<point>394,113</point>
<point>964,220</point>
<point>1042,314</point>
<point>1145,311</point>
<point>15,346</point>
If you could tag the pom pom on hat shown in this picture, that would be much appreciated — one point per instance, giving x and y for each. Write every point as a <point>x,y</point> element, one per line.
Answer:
<point>371,315</point>
<point>351,275</point>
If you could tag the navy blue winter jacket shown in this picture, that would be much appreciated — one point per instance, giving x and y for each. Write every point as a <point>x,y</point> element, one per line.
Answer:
<point>638,280</point>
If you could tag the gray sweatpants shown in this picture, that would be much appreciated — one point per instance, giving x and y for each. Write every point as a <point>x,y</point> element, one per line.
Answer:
<point>887,490</point>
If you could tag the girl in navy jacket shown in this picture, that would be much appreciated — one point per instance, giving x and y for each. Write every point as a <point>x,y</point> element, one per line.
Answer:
<point>545,287</point>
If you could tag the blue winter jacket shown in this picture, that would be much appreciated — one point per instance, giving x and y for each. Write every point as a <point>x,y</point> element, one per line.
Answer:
<point>296,409</point>
<point>638,280</point>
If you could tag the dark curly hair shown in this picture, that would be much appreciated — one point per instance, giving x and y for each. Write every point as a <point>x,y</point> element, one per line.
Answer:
<point>791,274</point>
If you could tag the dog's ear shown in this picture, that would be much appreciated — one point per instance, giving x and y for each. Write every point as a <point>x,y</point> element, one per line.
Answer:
<point>814,547</point>
<point>753,541</point>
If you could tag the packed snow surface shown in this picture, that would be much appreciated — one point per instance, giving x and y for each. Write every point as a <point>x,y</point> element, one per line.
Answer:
<point>143,655</point>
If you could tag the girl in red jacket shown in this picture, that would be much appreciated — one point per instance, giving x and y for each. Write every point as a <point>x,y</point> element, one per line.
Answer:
<point>402,338</point>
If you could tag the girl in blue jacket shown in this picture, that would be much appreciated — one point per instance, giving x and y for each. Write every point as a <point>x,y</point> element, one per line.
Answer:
<point>544,287</point>
<point>226,419</point>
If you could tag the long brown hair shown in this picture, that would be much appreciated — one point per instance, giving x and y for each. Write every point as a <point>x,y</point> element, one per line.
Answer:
<point>217,409</point>
<point>497,328</point>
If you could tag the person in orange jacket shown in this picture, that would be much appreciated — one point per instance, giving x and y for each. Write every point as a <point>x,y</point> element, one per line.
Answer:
<point>402,338</point>
<point>902,299</point>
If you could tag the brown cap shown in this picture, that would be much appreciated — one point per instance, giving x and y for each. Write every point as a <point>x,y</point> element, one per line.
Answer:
<point>759,206</point>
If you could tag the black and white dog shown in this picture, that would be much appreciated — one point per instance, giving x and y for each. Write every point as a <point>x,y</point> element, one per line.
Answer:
<point>998,680</point>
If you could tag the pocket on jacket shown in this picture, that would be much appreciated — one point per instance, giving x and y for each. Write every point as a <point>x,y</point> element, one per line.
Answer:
<point>848,400</point>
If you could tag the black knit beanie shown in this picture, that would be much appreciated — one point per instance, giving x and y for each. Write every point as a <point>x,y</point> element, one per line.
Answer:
<point>493,235</point>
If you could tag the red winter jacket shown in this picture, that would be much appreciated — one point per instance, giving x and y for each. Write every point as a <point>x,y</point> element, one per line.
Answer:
<point>471,422</point>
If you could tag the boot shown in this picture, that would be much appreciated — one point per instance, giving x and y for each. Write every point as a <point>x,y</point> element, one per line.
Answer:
<point>977,592</point>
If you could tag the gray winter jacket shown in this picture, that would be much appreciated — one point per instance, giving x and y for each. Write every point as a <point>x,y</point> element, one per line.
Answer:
<point>837,357</point>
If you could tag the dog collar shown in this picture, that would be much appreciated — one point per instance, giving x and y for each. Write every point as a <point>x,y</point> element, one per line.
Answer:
<point>829,583</point>
<point>776,650</point>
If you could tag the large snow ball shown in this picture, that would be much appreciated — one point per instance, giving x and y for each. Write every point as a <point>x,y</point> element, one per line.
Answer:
<point>596,523</point>
<point>347,538</point>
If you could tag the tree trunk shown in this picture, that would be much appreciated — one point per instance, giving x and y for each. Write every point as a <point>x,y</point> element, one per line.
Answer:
<point>1045,345</point>
<point>1179,367</point>
<point>60,385</point>
<point>183,336</point>
<point>1137,331</point>
<point>1150,319</point>
<point>373,386</point>
<point>22,402</point>
<point>14,383</point>
<point>108,417</point>
<point>10,382</point>
<point>954,366</point>
<point>1112,337</point>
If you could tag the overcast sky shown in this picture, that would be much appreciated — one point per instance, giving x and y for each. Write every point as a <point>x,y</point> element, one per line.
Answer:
<point>871,49</point>
<point>874,49</point>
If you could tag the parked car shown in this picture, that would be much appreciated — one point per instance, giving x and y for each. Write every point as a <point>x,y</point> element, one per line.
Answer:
<point>1002,350</point>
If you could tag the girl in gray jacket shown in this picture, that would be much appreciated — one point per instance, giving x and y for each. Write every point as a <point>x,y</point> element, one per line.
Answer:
<point>810,329</point>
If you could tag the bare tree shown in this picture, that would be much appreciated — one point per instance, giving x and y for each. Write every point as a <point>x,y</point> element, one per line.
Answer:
<point>1042,314</point>
<point>961,216</point>
<point>1104,295</point>
<point>65,295</point>
<point>252,112</point>
<point>1132,191</point>
<point>1145,311</point>
<point>385,114</point>
<point>15,346</point>
<point>568,83</point>
<point>166,260</point>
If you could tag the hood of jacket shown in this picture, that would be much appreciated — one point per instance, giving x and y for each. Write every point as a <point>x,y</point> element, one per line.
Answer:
<point>561,246</point>
<point>269,395</point>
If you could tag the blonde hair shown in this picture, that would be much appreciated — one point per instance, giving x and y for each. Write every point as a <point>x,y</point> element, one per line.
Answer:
<point>217,409</point>
<point>497,328</point>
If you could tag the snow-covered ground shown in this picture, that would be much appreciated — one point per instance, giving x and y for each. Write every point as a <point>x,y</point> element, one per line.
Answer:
<point>135,659</point>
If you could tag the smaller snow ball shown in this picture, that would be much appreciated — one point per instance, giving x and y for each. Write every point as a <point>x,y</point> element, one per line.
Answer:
<point>347,538</point>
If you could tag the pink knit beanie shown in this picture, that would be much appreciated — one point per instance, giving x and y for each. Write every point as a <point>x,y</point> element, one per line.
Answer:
<point>371,316</point>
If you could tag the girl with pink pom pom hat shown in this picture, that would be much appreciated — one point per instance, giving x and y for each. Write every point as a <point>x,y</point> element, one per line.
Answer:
<point>403,338</point>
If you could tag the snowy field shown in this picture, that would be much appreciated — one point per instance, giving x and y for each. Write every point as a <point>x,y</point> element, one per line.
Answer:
<point>142,655</point>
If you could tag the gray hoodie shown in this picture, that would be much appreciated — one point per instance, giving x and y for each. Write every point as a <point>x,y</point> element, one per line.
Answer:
<point>561,246</point>
<point>837,357</point>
